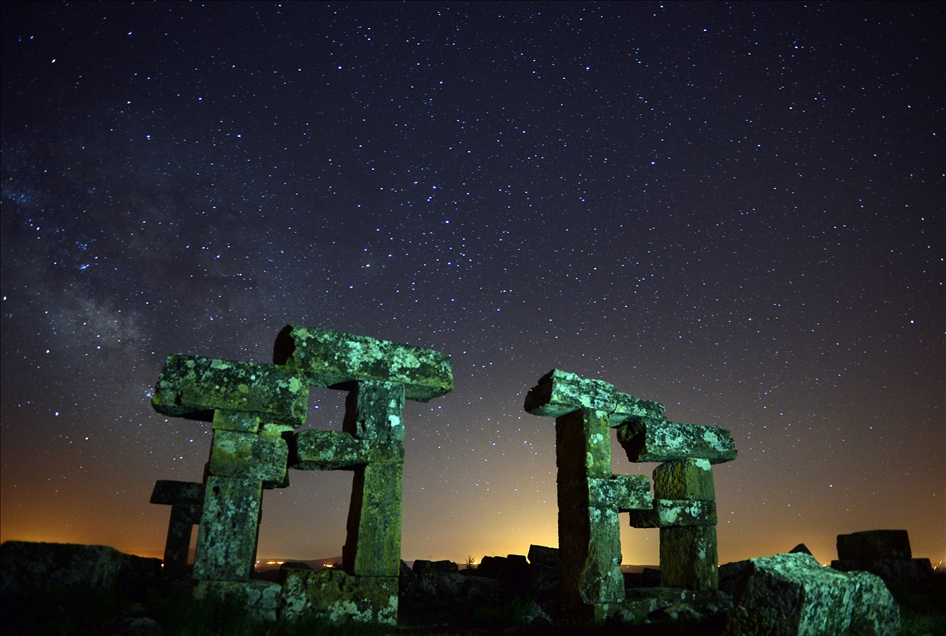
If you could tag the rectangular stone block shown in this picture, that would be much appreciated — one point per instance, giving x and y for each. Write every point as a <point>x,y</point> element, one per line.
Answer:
<point>249,456</point>
<point>690,479</point>
<point>621,492</point>
<point>649,440</point>
<point>582,446</point>
<point>339,597</point>
<point>226,542</point>
<point>261,598</point>
<point>373,546</point>
<point>329,358</point>
<point>874,544</point>
<point>560,392</point>
<point>236,421</point>
<point>373,411</point>
<point>170,492</point>
<point>675,513</point>
<point>688,558</point>
<point>333,450</point>
<point>194,386</point>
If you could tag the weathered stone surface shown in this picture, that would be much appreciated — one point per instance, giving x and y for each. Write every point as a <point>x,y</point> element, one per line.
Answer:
<point>339,597</point>
<point>667,513</point>
<point>373,411</point>
<point>909,573</point>
<point>630,492</point>
<point>560,392</point>
<point>793,595</point>
<point>260,598</point>
<point>688,558</point>
<point>329,357</point>
<point>588,531</point>
<point>249,456</point>
<point>194,386</point>
<point>650,440</point>
<point>333,450</point>
<point>373,546</point>
<point>544,568</point>
<point>186,500</point>
<point>236,421</point>
<point>874,544</point>
<point>656,605</point>
<point>226,542</point>
<point>26,566</point>
<point>690,479</point>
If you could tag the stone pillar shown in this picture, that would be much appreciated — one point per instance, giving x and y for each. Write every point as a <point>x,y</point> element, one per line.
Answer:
<point>186,500</point>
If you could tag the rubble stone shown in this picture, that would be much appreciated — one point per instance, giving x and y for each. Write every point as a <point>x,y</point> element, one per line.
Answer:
<point>339,597</point>
<point>262,599</point>
<point>793,595</point>
<point>651,440</point>
<point>328,358</point>
<point>195,386</point>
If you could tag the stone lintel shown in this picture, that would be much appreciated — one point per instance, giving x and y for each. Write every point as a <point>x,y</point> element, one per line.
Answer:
<point>560,392</point>
<point>246,455</point>
<point>667,513</point>
<point>650,440</point>
<point>332,450</point>
<point>329,358</point>
<point>690,479</point>
<point>194,386</point>
<point>170,493</point>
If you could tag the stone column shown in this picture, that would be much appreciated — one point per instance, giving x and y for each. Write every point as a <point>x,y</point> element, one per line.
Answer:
<point>186,500</point>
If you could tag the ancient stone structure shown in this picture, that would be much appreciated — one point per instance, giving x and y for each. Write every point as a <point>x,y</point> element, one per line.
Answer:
<point>590,496</point>
<point>254,410</point>
<point>187,501</point>
<point>885,553</point>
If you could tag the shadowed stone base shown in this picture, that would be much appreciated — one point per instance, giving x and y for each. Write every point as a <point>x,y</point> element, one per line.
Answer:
<point>261,598</point>
<point>339,597</point>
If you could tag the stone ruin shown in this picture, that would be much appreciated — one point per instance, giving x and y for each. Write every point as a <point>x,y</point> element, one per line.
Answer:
<point>590,496</point>
<point>254,410</point>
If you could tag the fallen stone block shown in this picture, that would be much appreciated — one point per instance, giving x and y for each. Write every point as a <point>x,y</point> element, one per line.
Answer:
<point>665,605</point>
<point>195,386</point>
<point>261,599</point>
<point>339,597</point>
<point>915,574</point>
<point>329,358</point>
<point>249,456</point>
<point>793,595</point>
<point>559,393</point>
<point>27,566</point>
<point>874,544</point>
<point>650,440</point>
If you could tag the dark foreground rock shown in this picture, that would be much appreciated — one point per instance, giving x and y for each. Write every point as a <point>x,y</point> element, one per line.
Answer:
<point>794,595</point>
<point>27,566</point>
<point>885,553</point>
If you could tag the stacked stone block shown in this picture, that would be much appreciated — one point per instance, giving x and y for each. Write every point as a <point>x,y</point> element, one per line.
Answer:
<point>885,553</point>
<point>254,410</point>
<point>590,496</point>
<point>187,501</point>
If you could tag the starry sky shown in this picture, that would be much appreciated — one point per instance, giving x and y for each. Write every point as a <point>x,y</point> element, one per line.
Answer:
<point>733,209</point>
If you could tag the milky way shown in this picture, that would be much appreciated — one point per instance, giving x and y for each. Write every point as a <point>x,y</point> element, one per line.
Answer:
<point>736,210</point>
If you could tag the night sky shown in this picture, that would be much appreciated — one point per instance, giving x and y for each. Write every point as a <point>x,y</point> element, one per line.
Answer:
<point>733,209</point>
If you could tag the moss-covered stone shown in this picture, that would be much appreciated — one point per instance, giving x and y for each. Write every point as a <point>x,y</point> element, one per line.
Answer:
<point>261,599</point>
<point>667,513</point>
<point>236,421</point>
<point>373,411</point>
<point>690,479</point>
<point>560,392</point>
<point>226,543</point>
<point>373,547</point>
<point>339,597</point>
<point>650,440</point>
<point>194,386</point>
<point>688,557</point>
<point>331,450</point>
<point>249,456</point>
<point>329,358</point>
